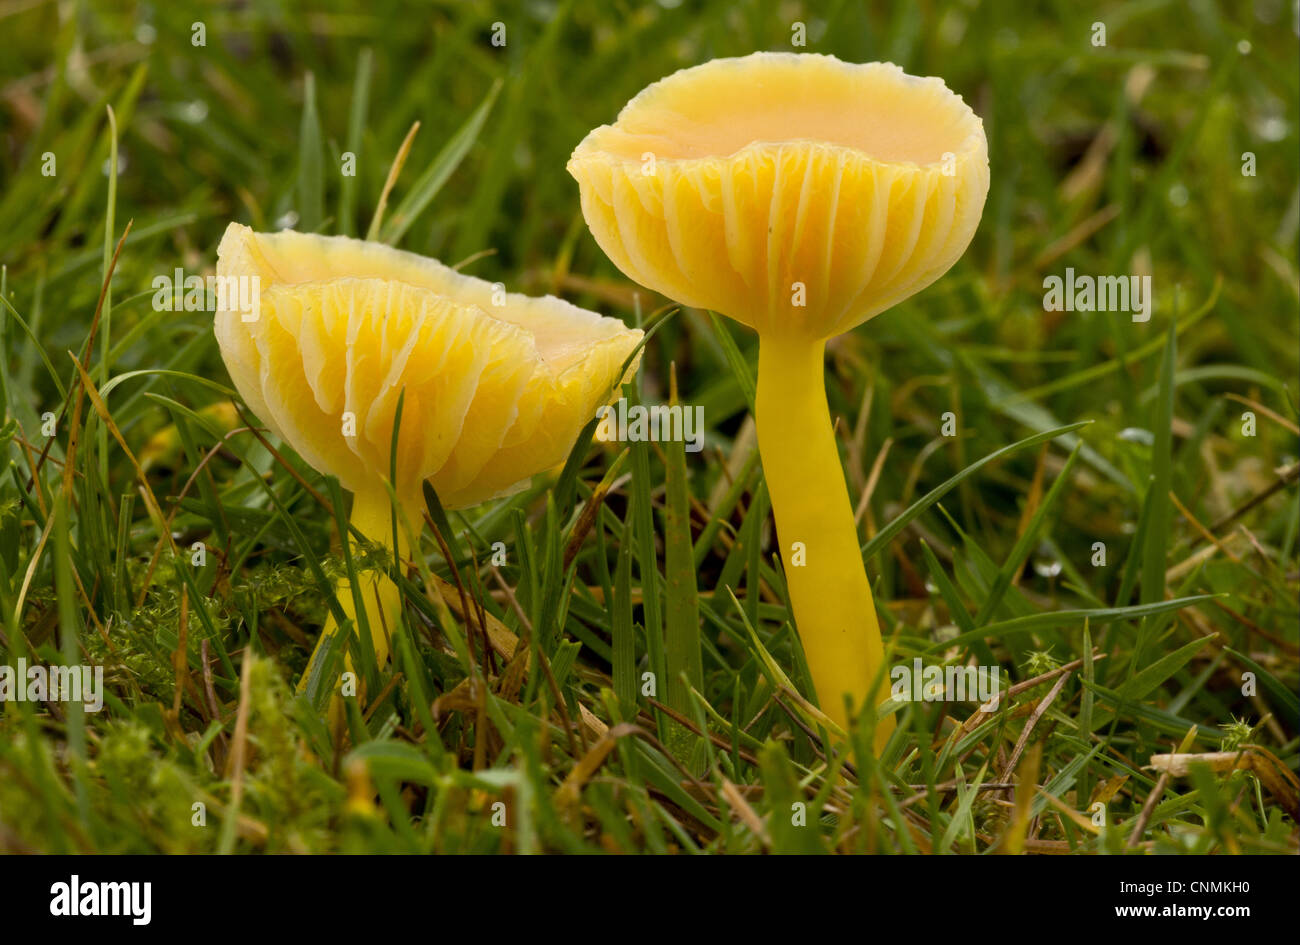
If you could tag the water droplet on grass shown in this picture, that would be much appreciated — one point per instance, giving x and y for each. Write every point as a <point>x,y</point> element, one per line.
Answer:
<point>1136,435</point>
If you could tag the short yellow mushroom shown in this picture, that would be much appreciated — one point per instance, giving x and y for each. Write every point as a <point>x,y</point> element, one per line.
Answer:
<point>799,195</point>
<point>495,386</point>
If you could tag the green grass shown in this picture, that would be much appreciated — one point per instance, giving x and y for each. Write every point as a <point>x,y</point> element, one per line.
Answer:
<point>1072,429</point>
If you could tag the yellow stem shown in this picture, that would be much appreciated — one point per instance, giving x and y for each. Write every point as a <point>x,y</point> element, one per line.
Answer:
<point>372,517</point>
<point>824,572</point>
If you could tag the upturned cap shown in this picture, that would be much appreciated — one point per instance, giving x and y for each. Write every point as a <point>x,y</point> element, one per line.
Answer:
<point>497,385</point>
<point>791,192</point>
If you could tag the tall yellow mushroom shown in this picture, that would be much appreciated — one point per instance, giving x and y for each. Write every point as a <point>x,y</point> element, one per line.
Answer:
<point>496,386</point>
<point>799,195</point>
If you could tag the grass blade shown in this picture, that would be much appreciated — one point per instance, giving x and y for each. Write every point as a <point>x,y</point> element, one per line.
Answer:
<point>356,128</point>
<point>311,180</point>
<point>682,611</point>
<point>1016,560</point>
<point>886,534</point>
<point>1062,618</point>
<point>442,167</point>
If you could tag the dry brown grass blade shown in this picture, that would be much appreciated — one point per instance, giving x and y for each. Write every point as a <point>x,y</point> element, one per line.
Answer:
<point>748,816</point>
<point>511,681</point>
<point>393,173</point>
<point>568,794</point>
<point>239,748</point>
<point>1157,792</point>
<point>1285,477</point>
<point>1201,529</point>
<point>179,663</point>
<point>1039,709</point>
<point>1080,233</point>
<point>1273,415</point>
<point>464,697</point>
<point>587,517</point>
<point>1277,778</point>
<point>500,637</point>
<point>1013,840</point>
<point>1107,789</point>
<point>873,479</point>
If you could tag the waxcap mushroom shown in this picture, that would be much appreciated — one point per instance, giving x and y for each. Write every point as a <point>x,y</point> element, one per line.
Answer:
<point>799,195</point>
<point>495,386</point>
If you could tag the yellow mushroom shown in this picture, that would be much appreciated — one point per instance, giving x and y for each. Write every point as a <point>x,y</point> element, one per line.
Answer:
<point>495,386</point>
<point>799,195</point>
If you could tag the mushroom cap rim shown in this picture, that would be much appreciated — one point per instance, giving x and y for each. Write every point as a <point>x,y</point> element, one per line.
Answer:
<point>967,149</point>
<point>246,234</point>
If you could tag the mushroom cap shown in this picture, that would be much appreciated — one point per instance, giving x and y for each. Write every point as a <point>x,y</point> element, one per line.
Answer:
<point>493,392</point>
<point>726,185</point>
